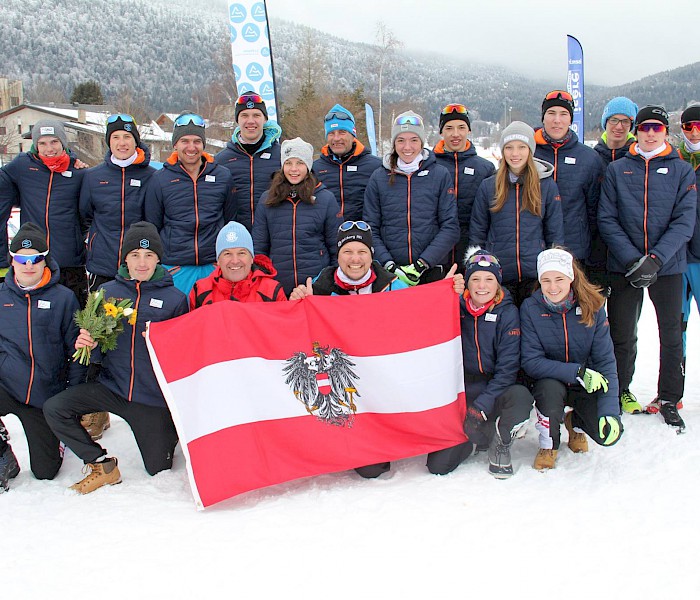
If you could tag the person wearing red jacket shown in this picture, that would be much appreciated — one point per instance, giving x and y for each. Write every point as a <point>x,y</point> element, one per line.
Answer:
<point>240,275</point>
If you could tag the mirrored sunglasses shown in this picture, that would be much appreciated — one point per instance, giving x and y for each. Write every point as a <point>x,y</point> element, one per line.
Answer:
<point>361,225</point>
<point>188,118</point>
<point>32,259</point>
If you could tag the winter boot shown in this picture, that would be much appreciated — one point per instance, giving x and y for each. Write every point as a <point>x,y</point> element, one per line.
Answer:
<point>500,465</point>
<point>95,424</point>
<point>653,407</point>
<point>101,473</point>
<point>578,442</point>
<point>669,412</point>
<point>9,469</point>
<point>629,404</point>
<point>545,459</point>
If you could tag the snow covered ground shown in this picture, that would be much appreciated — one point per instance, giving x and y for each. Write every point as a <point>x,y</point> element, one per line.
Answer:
<point>614,523</point>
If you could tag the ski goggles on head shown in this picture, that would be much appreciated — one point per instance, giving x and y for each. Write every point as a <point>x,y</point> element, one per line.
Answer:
<point>409,120</point>
<point>559,95</point>
<point>121,116</point>
<point>348,225</point>
<point>340,116</point>
<point>32,259</point>
<point>188,118</point>
<point>690,125</point>
<point>250,97</point>
<point>483,260</point>
<point>646,127</point>
<point>455,108</point>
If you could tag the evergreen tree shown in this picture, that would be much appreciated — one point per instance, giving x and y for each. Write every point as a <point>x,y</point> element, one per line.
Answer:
<point>88,92</point>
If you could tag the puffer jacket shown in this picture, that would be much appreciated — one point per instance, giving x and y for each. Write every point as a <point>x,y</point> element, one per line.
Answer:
<point>415,217</point>
<point>491,351</point>
<point>648,207</point>
<point>127,369</point>
<point>517,236</point>
<point>609,155</point>
<point>300,238</point>
<point>555,346</point>
<point>189,212</point>
<point>111,200</point>
<point>386,281</point>
<point>348,179</point>
<point>251,175</point>
<point>37,339</point>
<point>578,173</point>
<point>693,159</point>
<point>50,200</point>
<point>259,286</point>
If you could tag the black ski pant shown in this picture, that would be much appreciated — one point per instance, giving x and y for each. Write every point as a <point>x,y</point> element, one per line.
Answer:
<point>551,396</point>
<point>512,409</point>
<point>624,310</point>
<point>45,453</point>
<point>152,426</point>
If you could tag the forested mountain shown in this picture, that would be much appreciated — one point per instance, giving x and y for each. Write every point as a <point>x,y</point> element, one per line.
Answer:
<point>168,55</point>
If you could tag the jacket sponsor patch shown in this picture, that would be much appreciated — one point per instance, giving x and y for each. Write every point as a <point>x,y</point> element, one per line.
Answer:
<point>156,303</point>
<point>210,178</point>
<point>43,304</point>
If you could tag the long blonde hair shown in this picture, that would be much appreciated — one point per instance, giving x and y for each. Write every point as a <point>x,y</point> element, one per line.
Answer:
<point>531,197</point>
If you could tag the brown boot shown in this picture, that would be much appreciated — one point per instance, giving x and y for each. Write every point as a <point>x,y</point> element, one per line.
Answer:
<point>101,473</point>
<point>95,424</point>
<point>545,459</point>
<point>578,442</point>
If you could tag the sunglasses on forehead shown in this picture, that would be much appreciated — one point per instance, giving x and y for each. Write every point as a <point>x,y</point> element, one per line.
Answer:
<point>120,117</point>
<point>559,95</point>
<point>250,97</point>
<point>455,108</point>
<point>483,260</point>
<point>340,116</point>
<point>31,259</point>
<point>188,118</point>
<point>646,127</point>
<point>409,120</point>
<point>348,225</point>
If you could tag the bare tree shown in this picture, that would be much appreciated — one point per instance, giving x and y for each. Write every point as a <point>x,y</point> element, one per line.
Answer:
<point>309,63</point>
<point>387,44</point>
<point>41,91</point>
<point>9,138</point>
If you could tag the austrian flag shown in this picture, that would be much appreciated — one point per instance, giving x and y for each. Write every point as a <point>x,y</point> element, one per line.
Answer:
<point>263,393</point>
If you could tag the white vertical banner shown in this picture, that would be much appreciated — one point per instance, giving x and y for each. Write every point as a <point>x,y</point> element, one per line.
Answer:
<point>251,51</point>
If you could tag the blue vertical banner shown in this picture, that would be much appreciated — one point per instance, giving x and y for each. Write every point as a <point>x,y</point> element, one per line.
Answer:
<point>574,83</point>
<point>251,51</point>
<point>371,134</point>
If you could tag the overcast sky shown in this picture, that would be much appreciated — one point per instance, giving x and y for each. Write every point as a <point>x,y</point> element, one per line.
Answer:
<point>622,40</point>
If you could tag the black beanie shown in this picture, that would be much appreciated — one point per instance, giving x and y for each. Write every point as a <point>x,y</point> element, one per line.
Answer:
<point>245,102</point>
<point>651,113</point>
<point>29,236</point>
<point>558,100</point>
<point>188,129</point>
<point>454,116</point>
<point>120,125</point>
<point>352,233</point>
<point>692,113</point>
<point>142,235</point>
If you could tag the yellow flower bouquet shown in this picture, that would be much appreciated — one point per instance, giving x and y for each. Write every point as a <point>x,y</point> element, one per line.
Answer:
<point>104,320</point>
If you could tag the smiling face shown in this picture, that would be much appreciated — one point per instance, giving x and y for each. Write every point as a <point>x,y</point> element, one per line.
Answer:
<point>651,140</point>
<point>295,170</point>
<point>556,121</point>
<point>455,134</point>
<point>616,128</point>
<point>340,141</point>
<point>28,274</point>
<point>515,154</point>
<point>141,264</point>
<point>49,146</point>
<point>555,286</point>
<point>251,121</point>
<point>354,260</point>
<point>235,263</point>
<point>190,149</point>
<point>482,286</point>
<point>408,146</point>
<point>122,145</point>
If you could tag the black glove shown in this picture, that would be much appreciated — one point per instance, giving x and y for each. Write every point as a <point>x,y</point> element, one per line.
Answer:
<point>473,427</point>
<point>642,274</point>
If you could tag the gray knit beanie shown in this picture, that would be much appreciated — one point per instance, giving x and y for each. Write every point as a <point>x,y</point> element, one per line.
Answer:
<point>408,122</point>
<point>298,148</point>
<point>49,127</point>
<point>520,131</point>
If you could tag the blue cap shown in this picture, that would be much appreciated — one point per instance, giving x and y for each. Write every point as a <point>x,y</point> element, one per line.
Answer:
<point>233,235</point>
<point>338,118</point>
<point>619,106</point>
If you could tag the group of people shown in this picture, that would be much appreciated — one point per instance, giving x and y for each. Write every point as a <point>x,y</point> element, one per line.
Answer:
<point>533,248</point>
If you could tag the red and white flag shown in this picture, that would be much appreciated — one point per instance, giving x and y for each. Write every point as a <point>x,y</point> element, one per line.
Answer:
<point>263,393</point>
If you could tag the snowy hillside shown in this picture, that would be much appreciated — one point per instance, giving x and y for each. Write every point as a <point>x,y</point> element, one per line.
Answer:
<point>616,523</point>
